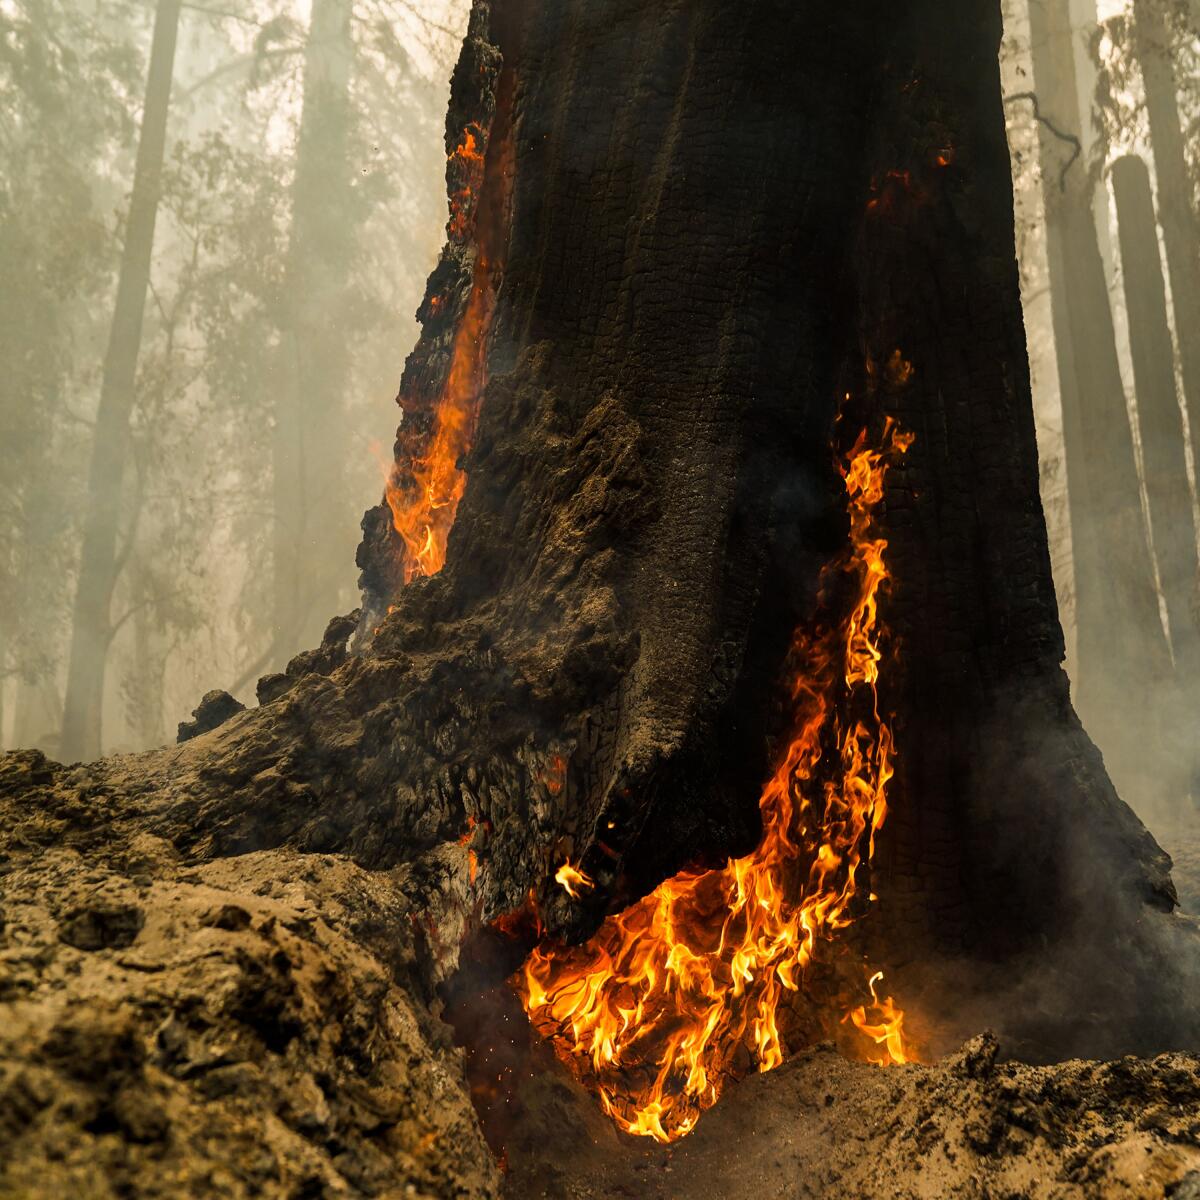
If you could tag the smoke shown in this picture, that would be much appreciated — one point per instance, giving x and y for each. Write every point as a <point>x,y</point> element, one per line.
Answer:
<point>1078,950</point>
<point>292,243</point>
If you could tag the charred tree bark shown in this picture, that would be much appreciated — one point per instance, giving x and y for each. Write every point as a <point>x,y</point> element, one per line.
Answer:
<point>98,566</point>
<point>1170,495</point>
<point>1004,807</point>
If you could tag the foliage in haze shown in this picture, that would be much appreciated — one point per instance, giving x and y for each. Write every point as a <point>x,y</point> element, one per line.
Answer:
<point>193,606</point>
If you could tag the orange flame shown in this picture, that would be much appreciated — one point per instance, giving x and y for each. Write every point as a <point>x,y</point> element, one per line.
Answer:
<point>423,491</point>
<point>472,858</point>
<point>572,880</point>
<point>469,832</point>
<point>424,499</point>
<point>883,1023</point>
<point>658,1010</point>
<point>466,169</point>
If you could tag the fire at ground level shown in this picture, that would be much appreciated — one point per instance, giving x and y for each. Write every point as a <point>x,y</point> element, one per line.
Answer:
<point>973,1124</point>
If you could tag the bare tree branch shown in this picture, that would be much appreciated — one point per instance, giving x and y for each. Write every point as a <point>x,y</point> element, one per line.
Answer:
<point>1070,138</point>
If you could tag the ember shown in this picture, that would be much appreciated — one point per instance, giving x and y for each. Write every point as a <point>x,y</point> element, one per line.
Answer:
<point>466,173</point>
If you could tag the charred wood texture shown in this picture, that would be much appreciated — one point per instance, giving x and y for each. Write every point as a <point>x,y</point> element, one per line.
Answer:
<point>704,224</point>
<point>1004,810</point>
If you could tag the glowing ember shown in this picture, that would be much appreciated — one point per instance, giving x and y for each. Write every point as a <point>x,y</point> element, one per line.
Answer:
<point>472,857</point>
<point>466,174</point>
<point>553,779</point>
<point>671,997</point>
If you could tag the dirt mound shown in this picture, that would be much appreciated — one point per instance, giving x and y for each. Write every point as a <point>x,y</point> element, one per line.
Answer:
<point>821,1128</point>
<point>240,1028</point>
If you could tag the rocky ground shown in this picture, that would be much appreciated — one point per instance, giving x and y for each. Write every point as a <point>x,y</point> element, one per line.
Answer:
<point>252,1026</point>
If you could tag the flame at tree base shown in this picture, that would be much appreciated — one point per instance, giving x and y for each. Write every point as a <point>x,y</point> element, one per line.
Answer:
<point>685,989</point>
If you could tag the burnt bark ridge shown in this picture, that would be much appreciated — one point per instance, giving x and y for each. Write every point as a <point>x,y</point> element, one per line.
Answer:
<point>650,493</point>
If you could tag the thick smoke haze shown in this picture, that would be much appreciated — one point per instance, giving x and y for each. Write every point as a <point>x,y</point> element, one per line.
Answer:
<point>300,205</point>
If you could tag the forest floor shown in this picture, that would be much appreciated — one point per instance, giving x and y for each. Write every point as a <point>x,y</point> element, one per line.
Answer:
<point>257,1026</point>
<point>822,1127</point>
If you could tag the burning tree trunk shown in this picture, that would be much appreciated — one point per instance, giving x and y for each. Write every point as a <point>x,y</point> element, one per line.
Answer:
<point>732,418</point>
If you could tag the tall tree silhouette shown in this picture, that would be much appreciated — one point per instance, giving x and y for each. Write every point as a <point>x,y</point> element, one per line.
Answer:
<point>100,557</point>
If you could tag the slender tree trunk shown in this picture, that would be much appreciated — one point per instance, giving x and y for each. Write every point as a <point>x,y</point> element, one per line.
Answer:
<point>98,565</point>
<point>1114,577</point>
<point>148,667</point>
<point>1176,216</point>
<point>38,715</point>
<point>309,436</point>
<point>1167,488</point>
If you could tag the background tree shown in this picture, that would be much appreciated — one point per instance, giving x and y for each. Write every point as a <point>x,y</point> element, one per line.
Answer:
<point>1114,581</point>
<point>100,556</point>
<point>68,88</point>
<point>193,594</point>
<point>1160,420</point>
